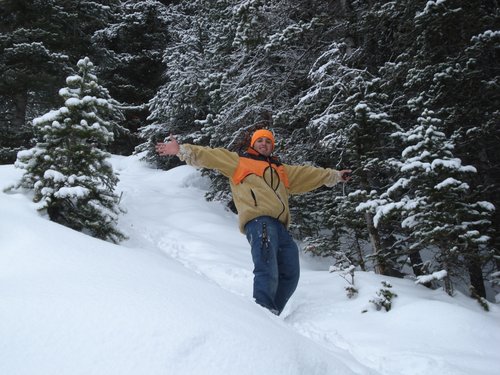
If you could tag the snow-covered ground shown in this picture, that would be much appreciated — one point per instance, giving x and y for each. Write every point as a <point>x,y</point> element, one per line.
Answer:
<point>175,298</point>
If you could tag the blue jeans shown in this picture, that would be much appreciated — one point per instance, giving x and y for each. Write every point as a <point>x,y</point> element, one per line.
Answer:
<point>276,262</point>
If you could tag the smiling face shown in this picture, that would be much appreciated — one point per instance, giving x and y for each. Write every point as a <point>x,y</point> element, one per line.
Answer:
<point>263,146</point>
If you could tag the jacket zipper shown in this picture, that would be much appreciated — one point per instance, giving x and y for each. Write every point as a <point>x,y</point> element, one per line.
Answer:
<point>275,190</point>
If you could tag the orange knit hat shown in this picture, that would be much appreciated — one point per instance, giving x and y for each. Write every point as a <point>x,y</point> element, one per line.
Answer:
<point>260,134</point>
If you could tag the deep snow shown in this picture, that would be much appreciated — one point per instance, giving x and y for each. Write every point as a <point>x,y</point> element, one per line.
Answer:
<point>175,298</point>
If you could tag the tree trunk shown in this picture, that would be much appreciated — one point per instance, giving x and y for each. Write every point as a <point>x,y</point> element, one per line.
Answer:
<point>360,253</point>
<point>416,263</point>
<point>380,266</point>
<point>476,277</point>
<point>20,103</point>
<point>448,286</point>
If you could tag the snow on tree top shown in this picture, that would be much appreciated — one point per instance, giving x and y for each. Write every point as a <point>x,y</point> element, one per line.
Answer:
<point>361,107</point>
<point>85,62</point>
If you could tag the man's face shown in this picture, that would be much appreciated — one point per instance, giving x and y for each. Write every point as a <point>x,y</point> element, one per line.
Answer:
<point>263,146</point>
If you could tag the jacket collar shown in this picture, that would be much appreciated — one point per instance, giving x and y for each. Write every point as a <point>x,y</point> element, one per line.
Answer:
<point>251,153</point>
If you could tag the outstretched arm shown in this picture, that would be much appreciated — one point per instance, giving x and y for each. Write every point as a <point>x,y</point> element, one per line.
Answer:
<point>201,157</point>
<point>304,178</point>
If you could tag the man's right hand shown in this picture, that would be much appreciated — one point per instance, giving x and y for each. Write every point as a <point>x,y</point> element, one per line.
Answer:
<point>345,175</point>
<point>170,148</point>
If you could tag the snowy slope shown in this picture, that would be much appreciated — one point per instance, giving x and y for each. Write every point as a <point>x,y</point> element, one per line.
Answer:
<point>176,299</point>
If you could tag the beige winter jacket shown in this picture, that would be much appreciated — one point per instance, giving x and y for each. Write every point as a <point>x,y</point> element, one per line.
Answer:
<point>258,196</point>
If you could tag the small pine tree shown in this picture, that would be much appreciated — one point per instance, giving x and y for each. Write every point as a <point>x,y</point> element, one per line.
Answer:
<point>384,297</point>
<point>345,269</point>
<point>67,169</point>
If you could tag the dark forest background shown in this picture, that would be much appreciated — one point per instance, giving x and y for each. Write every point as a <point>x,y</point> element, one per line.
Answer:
<point>404,93</point>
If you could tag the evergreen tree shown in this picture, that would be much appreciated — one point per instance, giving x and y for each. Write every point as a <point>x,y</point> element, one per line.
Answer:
<point>186,102</point>
<point>456,80</point>
<point>30,63</point>
<point>129,54</point>
<point>383,31</point>
<point>348,120</point>
<point>477,115</point>
<point>67,169</point>
<point>39,40</point>
<point>434,202</point>
<point>467,96</point>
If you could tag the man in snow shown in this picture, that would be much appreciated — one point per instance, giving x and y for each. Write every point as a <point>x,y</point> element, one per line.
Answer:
<point>260,185</point>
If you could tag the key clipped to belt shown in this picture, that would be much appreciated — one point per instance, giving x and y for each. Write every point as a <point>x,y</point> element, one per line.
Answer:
<point>265,239</point>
